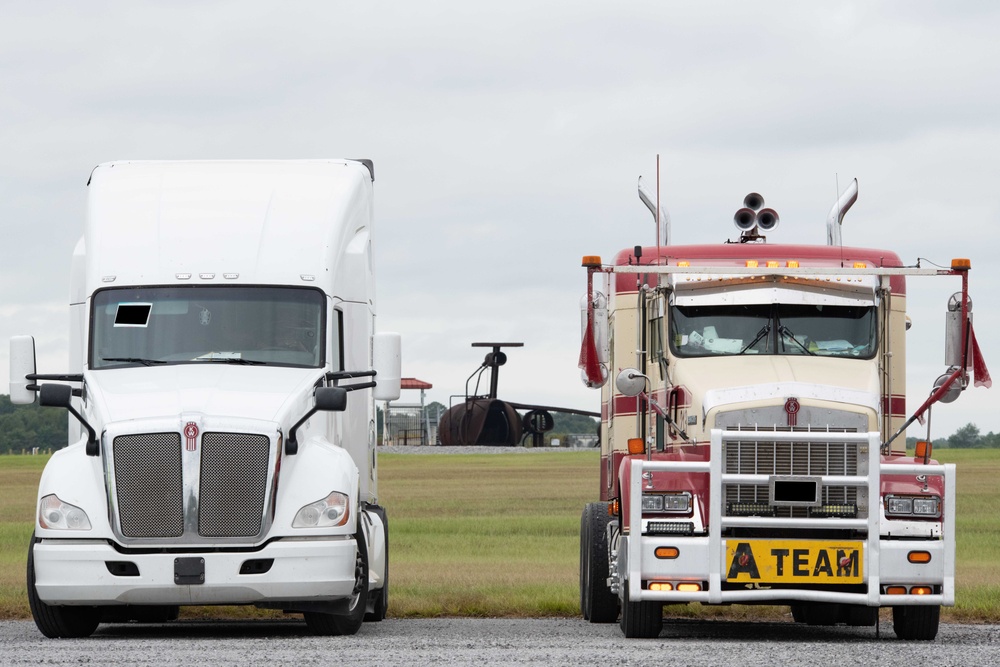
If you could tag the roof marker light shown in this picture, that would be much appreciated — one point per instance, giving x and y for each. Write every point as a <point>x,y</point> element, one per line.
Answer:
<point>792,263</point>
<point>206,276</point>
<point>751,263</point>
<point>182,276</point>
<point>230,276</point>
<point>683,263</point>
<point>773,264</point>
<point>860,265</point>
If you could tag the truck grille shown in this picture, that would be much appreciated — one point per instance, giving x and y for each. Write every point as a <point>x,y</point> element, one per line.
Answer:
<point>149,484</point>
<point>161,492</point>
<point>233,484</point>
<point>756,455</point>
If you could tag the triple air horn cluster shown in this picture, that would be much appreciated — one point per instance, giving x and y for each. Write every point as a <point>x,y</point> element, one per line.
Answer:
<point>752,218</point>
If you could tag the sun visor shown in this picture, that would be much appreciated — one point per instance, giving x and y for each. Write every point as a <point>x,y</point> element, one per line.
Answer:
<point>701,290</point>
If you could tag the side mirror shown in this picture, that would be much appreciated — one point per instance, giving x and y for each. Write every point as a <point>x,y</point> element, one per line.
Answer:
<point>387,361</point>
<point>331,399</point>
<point>55,395</point>
<point>22,364</point>
<point>631,382</point>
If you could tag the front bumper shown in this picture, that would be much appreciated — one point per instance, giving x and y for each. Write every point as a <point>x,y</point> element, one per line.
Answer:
<point>76,572</point>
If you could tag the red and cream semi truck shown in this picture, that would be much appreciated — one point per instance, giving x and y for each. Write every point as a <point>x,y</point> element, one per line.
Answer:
<point>752,447</point>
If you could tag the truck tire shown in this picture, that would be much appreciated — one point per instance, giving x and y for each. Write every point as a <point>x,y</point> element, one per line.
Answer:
<point>640,620</point>
<point>380,605</point>
<point>349,623</point>
<point>54,621</point>
<point>597,603</point>
<point>919,623</point>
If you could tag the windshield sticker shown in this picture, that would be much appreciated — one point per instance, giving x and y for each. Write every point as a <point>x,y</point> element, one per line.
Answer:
<point>133,314</point>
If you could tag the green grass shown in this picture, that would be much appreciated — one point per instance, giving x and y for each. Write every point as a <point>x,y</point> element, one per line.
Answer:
<point>498,535</point>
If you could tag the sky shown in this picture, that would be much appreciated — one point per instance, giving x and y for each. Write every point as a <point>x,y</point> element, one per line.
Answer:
<point>508,138</point>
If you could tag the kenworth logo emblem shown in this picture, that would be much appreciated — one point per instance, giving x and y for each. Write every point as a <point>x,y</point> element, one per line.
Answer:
<point>191,436</point>
<point>792,409</point>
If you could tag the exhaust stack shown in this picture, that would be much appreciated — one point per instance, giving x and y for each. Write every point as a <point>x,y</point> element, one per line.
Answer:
<point>650,203</point>
<point>836,217</point>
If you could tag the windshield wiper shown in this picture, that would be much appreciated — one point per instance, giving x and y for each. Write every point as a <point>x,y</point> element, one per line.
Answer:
<point>764,330</point>
<point>785,331</point>
<point>135,360</point>
<point>234,360</point>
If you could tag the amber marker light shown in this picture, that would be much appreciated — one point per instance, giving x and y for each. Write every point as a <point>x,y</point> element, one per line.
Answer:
<point>860,265</point>
<point>919,556</point>
<point>592,261</point>
<point>636,446</point>
<point>921,590</point>
<point>792,263</point>
<point>660,586</point>
<point>752,263</point>
<point>666,552</point>
<point>961,264</point>
<point>689,587</point>
<point>773,264</point>
<point>613,508</point>
<point>683,262</point>
<point>895,590</point>
<point>923,450</point>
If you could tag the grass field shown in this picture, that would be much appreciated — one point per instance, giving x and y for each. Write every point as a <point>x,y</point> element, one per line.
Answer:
<point>498,535</point>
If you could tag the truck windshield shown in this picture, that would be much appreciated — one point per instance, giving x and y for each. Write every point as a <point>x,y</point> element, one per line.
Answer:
<point>281,326</point>
<point>801,329</point>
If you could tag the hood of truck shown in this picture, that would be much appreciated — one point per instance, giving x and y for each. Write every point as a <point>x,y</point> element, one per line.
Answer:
<point>218,389</point>
<point>721,382</point>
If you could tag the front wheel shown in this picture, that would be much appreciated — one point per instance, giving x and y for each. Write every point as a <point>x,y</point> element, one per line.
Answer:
<point>920,623</point>
<point>597,603</point>
<point>640,620</point>
<point>54,621</point>
<point>349,623</point>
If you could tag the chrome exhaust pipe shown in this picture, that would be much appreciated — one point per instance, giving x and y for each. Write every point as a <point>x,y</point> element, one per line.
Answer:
<point>650,203</point>
<point>836,216</point>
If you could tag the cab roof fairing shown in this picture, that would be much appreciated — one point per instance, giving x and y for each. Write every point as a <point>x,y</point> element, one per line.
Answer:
<point>265,222</point>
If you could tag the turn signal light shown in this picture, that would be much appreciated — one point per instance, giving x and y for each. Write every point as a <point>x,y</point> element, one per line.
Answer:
<point>689,587</point>
<point>636,446</point>
<point>660,586</point>
<point>921,590</point>
<point>666,552</point>
<point>924,450</point>
<point>895,590</point>
<point>919,557</point>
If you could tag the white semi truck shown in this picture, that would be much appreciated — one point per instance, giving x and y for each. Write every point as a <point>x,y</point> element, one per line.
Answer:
<point>222,384</point>
<point>752,449</point>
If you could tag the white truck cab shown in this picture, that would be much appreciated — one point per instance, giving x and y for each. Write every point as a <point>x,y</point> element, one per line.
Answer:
<point>222,384</point>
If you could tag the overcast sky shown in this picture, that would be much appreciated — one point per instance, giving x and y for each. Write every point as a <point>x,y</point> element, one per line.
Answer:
<point>507,139</point>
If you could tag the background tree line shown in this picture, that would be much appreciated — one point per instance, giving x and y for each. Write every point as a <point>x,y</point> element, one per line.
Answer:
<point>25,426</point>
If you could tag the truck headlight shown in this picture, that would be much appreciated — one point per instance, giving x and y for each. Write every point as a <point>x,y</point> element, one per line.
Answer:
<point>666,503</point>
<point>54,514</point>
<point>921,506</point>
<point>328,512</point>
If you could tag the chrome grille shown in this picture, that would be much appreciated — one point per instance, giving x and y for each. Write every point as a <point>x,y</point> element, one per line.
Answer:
<point>149,485</point>
<point>756,455</point>
<point>233,484</point>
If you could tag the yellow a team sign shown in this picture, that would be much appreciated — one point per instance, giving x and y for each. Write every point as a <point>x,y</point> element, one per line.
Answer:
<point>794,561</point>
